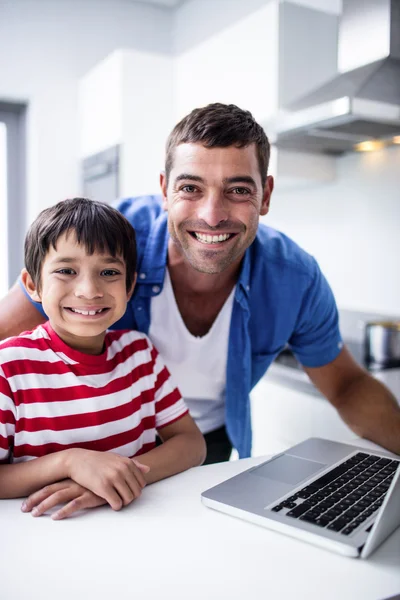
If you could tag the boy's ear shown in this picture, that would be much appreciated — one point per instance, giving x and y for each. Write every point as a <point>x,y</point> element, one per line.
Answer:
<point>129,294</point>
<point>30,286</point>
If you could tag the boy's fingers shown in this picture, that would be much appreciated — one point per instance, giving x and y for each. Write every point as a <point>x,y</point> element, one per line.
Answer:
<point>138,473</point>
<point>87,500</point>
<point>51,501</point>
<point>141,466</point>
<point>37,497</point>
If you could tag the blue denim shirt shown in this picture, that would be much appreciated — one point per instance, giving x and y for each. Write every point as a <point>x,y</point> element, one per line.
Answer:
<point>281,298</point>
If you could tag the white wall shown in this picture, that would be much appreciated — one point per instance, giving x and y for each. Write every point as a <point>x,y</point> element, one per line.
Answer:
<point>45,47</point>
<point>352,227</point>
<point>235,65</point>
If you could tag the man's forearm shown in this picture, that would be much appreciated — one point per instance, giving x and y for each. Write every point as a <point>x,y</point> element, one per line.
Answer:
<point>371,411</point>
<point>21,479</point>
<point>17,313</point>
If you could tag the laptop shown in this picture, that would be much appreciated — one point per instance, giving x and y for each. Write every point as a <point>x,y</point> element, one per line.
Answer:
<point>340,497</point>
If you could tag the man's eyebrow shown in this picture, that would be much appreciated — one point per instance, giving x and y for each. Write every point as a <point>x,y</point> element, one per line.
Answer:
<point>240,179</point>
<point>189,177</point>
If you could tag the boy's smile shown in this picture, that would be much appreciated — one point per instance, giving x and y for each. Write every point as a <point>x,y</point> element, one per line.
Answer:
<point>82,294</point>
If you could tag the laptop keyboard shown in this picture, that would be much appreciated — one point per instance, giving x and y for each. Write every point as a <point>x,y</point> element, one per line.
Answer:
<point>346,496</point>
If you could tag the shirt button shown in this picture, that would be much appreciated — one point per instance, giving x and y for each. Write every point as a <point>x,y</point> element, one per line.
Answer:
<point>142,276</point>
<point>248,288</point>
<point>156,289</point>
<point>140,308</point>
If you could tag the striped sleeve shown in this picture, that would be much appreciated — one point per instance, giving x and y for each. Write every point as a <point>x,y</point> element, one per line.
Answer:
<point>7,419</point>
<point>169,403</point>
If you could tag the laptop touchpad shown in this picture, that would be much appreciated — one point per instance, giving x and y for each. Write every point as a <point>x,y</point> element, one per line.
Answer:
<point>288,469</point>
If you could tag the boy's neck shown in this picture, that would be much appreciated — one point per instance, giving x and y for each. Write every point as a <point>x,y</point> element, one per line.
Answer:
<point>93,345</point>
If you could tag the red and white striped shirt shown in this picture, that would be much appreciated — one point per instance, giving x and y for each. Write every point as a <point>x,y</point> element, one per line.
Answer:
<point>53,397</point>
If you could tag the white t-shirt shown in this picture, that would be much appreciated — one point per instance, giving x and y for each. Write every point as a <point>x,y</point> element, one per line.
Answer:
<point>197,364</point>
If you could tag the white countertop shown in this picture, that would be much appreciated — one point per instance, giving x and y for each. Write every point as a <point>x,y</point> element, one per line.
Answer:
<point>167,544</point>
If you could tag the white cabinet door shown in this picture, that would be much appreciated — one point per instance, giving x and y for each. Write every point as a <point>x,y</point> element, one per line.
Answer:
<point>282,417</point>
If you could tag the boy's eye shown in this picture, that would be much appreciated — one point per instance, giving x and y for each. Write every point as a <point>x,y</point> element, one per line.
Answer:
<point>110,273</point>
<point>65,272</point>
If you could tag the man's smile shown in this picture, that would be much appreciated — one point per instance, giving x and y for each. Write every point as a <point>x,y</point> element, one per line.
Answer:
<point>207,238</point>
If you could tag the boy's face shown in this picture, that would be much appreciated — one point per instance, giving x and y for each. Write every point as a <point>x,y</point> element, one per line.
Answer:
<point>82,294</point>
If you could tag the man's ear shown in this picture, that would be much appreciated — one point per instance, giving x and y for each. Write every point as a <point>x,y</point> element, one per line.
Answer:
<point>268,188</point>
<point>30,286</point>
<point>163,185</point>
<point>129,294</point>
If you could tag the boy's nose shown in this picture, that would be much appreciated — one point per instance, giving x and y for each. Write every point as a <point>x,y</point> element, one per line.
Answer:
<point>213,209</point>
<point>89,288</point>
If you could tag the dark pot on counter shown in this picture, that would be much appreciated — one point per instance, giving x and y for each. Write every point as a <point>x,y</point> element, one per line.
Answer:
<point>382,344</point>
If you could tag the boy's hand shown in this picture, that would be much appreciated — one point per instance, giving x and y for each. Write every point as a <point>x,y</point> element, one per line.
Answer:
<point>67,492</point>
<point>117,479</point>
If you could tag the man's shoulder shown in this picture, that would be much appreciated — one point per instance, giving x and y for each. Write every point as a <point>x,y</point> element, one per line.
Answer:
<point>141,211</point>
<point>275,250</point>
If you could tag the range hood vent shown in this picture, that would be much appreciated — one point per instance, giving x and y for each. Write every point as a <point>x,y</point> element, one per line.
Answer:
<point>360,104</point>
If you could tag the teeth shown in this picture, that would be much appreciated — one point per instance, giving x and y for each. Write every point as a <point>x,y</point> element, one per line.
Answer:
<point>212,239</point>
<point>86,312</point>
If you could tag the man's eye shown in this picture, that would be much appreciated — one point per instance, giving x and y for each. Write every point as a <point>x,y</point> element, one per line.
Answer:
<point>189,189</point>
<point>240,191</point>
<point>110,273</point>
<point>65,272</point>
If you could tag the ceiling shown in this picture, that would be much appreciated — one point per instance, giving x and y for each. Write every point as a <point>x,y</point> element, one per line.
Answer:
<point>167,3</point>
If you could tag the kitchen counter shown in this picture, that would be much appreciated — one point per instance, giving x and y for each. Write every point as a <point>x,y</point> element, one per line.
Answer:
<point>287,372</point>
<point>297,379</point>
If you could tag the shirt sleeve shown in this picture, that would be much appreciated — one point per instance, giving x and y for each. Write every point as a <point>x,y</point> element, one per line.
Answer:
<point>316,340</point>
<point>7,419</point>
<point>169,403</point>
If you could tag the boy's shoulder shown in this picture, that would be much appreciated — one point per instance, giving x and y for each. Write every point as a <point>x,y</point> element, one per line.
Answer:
<point>119,339</point>
<point>19,347</point>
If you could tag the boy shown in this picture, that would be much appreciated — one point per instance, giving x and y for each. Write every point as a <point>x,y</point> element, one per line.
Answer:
<point>80,400</point>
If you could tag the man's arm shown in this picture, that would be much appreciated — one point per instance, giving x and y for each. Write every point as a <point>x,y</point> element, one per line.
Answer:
<point>17,313</point>
<point>364,403</point>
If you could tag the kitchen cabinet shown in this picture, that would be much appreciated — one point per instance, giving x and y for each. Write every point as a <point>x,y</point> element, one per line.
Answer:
<point>282,417</point>
<point>126,101</point>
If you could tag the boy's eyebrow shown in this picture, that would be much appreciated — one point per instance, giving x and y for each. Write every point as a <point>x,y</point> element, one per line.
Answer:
<point>109,260</point>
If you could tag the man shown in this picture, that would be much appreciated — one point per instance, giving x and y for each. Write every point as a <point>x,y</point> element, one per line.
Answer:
<point>221,295</point>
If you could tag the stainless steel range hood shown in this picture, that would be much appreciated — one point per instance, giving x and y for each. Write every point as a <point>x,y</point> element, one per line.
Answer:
<point>362,102</point>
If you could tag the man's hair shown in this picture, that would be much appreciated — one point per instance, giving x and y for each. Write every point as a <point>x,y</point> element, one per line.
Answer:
<point>99,227</point>
<point>219,125</point>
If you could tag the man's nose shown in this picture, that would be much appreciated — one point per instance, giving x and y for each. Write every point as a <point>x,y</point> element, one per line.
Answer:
<point>88,287</point>
<point>213,209</point>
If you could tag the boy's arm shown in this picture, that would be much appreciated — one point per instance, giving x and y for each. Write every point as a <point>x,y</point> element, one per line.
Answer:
<point>115,478</point>
<point>17,313</point>
<point>184,447</point>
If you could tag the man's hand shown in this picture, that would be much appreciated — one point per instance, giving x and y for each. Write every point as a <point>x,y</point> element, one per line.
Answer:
<point>117,479</point>
<point>74,497</point>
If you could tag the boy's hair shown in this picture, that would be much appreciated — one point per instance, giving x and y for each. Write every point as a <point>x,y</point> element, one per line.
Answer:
<point>220,125</point>
<point>99,227</point>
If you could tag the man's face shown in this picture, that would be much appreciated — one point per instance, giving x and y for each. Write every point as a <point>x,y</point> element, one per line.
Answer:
<point>214,200</point>
<point>82,294</point>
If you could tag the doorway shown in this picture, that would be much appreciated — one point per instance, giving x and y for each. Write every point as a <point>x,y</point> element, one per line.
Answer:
<point>12,191</point>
